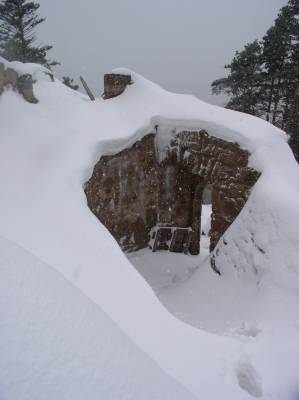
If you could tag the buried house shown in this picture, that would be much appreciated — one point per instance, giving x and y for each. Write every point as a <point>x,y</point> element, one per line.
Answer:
<point>150,193</point>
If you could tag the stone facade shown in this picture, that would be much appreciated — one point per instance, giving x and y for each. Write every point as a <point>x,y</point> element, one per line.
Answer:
<point>131,192</point>
<point>21,83</point>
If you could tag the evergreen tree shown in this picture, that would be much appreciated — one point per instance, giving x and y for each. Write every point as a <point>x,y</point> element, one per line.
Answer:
<point>278,49</point>
<point>291,89</point>
<point>243,82</point>
<point>18,20</point>
<point>291,101</point>
<point>70,83</point>
<point>263,79</point>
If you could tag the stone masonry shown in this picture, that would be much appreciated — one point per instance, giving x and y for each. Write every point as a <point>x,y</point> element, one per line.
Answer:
<point>123,193</point>
<point>131,192</point>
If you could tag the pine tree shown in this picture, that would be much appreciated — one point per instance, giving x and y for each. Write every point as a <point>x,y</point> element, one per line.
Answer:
<point>278,49</point>
<point>263,79</point>
<point>291,100</point>
<point>243,82</point>
<point>290,121</point>
<point>70,83</point>
<point>18,20</point>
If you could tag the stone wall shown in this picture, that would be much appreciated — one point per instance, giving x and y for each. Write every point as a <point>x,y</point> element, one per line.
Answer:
<point>131,192</point>
<point>221,165</point>
<point>123,193</point>
<point>23,84</point>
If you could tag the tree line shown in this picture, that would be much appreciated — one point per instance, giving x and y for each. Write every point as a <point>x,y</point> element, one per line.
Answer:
<point>263,78</point>
<point>18,21</point>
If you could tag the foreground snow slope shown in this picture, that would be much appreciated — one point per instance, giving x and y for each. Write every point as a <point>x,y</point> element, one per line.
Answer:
<point>47,152</point>
<point>57,344</point>
<point>265,315</point>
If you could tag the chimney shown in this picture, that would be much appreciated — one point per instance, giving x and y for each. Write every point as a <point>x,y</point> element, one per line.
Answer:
<point>115,84</point>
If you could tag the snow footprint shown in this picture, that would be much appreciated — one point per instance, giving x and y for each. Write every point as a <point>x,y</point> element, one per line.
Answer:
<point>248,379</point>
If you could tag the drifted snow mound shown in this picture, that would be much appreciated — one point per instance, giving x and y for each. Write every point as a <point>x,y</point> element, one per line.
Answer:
<point>57,344</point>
<point>47,153</point>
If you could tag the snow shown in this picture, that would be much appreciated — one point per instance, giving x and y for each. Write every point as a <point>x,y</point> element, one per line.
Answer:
<point>206,219</point>
<point>239,334</point>
<point>57,344</point>
<point>37,71</point>
<point>163,269</point>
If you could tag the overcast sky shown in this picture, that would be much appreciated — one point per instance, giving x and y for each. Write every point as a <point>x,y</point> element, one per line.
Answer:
<point>180,44</point>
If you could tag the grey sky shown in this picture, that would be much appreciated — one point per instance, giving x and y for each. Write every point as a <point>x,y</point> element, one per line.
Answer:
<point>181,45</point>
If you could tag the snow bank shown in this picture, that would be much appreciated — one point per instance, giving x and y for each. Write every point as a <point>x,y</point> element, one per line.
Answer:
<point>57,344</point>
<point>47,152</point>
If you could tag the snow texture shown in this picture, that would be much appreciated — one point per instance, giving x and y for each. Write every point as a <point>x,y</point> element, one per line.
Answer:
<point>57,344</point>
<point>47,153</point>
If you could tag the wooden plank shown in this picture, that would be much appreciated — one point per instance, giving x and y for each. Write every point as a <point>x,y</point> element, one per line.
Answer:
<point>88,91</point>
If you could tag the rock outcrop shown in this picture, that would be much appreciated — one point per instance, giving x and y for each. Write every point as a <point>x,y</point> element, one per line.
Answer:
<point>131,192</point>
<point>9,78</point>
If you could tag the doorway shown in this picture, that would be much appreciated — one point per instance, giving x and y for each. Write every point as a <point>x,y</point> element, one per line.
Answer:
<point>206,215</point>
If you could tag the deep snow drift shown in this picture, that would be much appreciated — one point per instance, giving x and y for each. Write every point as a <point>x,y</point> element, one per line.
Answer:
<point>57,344</point>
<point>47,152</point>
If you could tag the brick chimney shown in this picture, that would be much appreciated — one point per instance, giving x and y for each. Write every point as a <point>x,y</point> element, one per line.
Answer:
<point>115,84</point>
